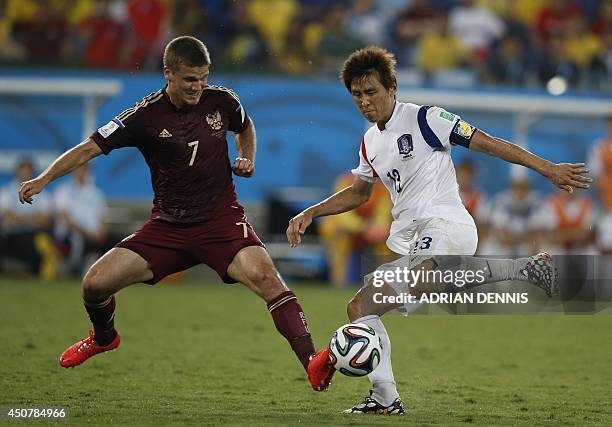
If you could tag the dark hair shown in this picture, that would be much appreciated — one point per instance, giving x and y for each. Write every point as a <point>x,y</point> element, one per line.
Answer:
<point>186,50</point>
<point>368,61</point>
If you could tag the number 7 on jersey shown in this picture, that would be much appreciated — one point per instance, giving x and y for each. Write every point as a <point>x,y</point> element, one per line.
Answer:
<point>193,144</point>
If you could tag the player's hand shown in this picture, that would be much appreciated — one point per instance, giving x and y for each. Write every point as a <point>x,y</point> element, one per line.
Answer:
<point>568,176</point>
<point>297,226</point>
<point>29,189</point>
<point>243,167</point>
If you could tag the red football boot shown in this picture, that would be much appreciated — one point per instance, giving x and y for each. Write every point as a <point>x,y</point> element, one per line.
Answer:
<point>320,370</point>
<point>82,350</point>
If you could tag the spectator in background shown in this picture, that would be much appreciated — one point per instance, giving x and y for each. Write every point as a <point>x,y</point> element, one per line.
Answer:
<point>553,61</point>
<point>554,19</point>
<point>334,43</point>
<point>44,34</point>
<point>79,227</point>
<point>602,65</point>
<point>528,11</point>
<point>477,27</point>
<point>514,220</point>
<point>567,221</point>
<point>246,47</point>
<point>312,10</point>
<point>149,21</point>
<point>474,201</point>
<point>368,21</point>
<point>600,164</point>
<point>347,236</point>
<point>9,48</point>
<point>603,21</point>
<point>103,35</point>
<point>582,46</point>
<point>273,18</point>
<point>409,26</point>
<point>74,12</point>
<point>295,58</point>
<point>195,17</point>
<point>440,50</point>
<point>508,64</point>
<point>24,235</point>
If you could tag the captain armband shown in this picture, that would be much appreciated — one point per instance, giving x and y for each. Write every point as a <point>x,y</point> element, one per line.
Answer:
<point>462,134</point>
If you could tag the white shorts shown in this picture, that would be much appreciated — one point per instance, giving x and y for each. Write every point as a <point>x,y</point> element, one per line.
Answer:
<point>424,241</point>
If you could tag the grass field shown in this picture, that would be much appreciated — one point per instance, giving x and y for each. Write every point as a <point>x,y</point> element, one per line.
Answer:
<point>195,354</point>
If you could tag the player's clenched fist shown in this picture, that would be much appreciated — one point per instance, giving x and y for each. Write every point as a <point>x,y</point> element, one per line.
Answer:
<point>243,167</point>
<point>29,189</point>
<point>297,226</point>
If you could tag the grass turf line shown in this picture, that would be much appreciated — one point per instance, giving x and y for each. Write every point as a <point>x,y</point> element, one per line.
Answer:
<point>198,354</point>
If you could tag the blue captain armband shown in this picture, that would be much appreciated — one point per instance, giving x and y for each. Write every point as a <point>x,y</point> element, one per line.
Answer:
<point>462,134</point>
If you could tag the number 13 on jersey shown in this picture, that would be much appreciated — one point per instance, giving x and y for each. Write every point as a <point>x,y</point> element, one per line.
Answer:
<point>394,176</point>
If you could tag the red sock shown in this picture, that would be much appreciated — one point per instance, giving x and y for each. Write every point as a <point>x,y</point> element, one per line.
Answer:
<point>102,316</point>
<point>290,321</point>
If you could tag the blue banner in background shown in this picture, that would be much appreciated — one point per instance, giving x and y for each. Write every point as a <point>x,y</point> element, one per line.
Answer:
<point>308,133</point>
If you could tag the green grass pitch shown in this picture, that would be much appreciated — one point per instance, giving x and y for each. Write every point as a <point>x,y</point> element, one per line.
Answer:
<point>203,354</point>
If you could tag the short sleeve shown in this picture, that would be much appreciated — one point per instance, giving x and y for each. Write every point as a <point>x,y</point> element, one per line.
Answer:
<point>238,118</point>
<point>121,131</point>
<point>436,125</point>
<point>364,170</point>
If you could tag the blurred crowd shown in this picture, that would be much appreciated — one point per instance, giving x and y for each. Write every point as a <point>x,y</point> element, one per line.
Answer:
<point>491,42</point>
<point>61,233</point>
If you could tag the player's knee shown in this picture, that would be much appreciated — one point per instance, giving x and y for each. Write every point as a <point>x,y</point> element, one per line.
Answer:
<point>95,286</point>
<point>268,281</point>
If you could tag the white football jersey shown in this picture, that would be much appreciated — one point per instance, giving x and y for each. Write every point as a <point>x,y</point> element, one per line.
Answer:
<point>412,157</point>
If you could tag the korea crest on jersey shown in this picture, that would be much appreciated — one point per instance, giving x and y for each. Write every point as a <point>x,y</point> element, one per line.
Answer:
<point>405,146</point>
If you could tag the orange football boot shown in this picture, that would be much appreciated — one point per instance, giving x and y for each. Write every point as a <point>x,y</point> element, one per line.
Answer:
<point>82,350</point>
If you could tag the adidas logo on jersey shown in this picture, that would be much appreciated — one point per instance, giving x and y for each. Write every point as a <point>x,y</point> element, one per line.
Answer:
<point>164,134</point>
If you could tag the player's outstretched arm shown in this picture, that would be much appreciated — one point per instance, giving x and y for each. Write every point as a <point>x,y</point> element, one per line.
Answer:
<point>344,200</point>
<point>566,176</point>
<point>246,146</point>
<point>64,164</point>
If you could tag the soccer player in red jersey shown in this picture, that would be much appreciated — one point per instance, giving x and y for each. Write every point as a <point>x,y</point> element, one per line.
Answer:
<point>181,131</point>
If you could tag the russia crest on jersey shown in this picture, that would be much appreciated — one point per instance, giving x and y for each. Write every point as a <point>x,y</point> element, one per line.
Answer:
<point>405,146</point>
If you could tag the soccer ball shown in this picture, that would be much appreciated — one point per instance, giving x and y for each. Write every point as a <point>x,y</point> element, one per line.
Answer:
<point>355,349</point>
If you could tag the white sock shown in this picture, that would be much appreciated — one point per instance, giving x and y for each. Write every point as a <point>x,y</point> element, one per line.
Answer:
<point>383,383</point>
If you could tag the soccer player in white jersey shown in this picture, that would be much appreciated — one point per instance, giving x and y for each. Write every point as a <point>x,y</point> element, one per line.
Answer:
<point>408,148</point>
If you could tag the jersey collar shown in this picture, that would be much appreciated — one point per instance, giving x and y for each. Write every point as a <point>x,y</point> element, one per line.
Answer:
<point>184,109</point>
<point>392,120</point>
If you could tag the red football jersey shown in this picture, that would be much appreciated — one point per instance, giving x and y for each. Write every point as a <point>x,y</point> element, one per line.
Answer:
<point>186,150</point>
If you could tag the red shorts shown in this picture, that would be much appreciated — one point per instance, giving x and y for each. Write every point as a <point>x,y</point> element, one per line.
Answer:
<point>171,247</point>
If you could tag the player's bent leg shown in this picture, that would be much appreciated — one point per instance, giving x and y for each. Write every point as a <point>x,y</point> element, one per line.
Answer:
<point>368,304</point>
<point>369,301</point>
<point>253,267</point>
<point>384,398</point>
<point>117,269</point>
<point>538,270</point>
